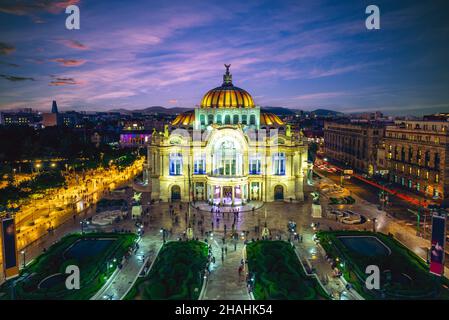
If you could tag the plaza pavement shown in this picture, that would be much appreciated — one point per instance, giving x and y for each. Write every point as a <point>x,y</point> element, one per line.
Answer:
<point>224,282</point>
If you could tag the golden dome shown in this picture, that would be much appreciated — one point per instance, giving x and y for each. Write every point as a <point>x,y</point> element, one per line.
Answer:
<point>184,119</point>
<point>227,95</point>
<point>270,119</point>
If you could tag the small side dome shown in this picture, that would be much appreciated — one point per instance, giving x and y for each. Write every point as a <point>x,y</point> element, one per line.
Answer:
<point>270,119</point>
<point>184,119</point>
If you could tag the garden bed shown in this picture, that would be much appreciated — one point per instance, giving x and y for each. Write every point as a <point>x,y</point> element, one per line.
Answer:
<point>404,275</point>
<point>177,273</point>
<point>96,254</point>
<point>279,274</point>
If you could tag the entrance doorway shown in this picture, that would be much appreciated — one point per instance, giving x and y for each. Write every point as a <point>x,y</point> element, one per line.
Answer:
<point>175,193</point>
<point>199,191</point>
<point>278,193</point>
<point>227,195</point>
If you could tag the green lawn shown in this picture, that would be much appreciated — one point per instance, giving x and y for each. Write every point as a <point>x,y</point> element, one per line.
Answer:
<point>94,257</point>
<point>177,273</point>
<point>404,275</point>
<point>279,274</point>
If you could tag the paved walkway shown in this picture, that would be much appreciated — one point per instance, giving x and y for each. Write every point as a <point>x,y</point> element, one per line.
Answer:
<point>225,283</point>
<point>122,281</point>
<point>314,258</point>
<point>204,206</point>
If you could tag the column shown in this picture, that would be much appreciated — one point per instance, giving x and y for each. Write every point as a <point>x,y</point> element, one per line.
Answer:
<point>221,194</point>
<point>233,194</point>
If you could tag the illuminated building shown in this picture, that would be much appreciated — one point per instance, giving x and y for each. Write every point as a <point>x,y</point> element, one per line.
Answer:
<point>353,144</point>
<point>227,151</point>
<point>417,156</point>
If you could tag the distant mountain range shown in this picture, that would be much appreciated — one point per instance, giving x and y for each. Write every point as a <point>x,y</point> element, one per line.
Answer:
<point>280,111</point>
<point>326,113</point>
<point>153,110</point>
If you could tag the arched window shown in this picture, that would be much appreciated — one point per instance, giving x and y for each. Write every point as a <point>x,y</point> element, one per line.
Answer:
<point>210,119</point>
<point>244,119</point>
<point>202,119</point>
<point>227,119</point>
<point>219,118</point>
<point>252,119</point>
<point>235,119</point>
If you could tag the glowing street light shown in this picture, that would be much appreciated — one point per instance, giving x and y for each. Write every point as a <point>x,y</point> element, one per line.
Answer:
<point>23,257</point>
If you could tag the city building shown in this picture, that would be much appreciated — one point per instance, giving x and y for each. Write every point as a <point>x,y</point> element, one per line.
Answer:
<point>25,117</point>
<point>227,151</point>
<point>417,156</point>
<point>134,139</point>
<point>53,118</point>
<point>353,144</point>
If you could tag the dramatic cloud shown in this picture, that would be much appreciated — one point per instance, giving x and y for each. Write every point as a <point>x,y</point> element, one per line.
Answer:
<point>73,44</point>
<point>69,62</point>
<point>6,48</point>
<point>285,53</point>
<point>15,78</point>
<point>33,7</point>
<point>57,81</point>
<point>113,95</point>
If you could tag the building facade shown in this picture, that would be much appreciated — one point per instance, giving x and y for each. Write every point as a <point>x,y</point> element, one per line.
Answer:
<point>227,151</point>
<point>353,144</point>
<point>417,156</point>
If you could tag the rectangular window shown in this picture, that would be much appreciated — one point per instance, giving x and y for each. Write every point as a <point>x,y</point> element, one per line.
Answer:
<point>279,163</point>
<point>199,165</point>
<point>175,164</point>
<point>254,164</point>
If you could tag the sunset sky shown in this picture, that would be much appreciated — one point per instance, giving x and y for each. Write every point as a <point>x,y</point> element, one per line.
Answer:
<point>297,54</point>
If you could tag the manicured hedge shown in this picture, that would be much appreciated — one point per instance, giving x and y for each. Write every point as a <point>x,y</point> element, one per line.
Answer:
<point>93,272</point>
<point>401,261</point>
<point>177,273</point>
<point>278,273</point>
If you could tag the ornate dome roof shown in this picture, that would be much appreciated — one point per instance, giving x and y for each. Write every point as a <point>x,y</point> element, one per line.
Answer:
<point>270,119</point>
<point>227,95</point>
<point>184,119</point>
<point>188,118</point>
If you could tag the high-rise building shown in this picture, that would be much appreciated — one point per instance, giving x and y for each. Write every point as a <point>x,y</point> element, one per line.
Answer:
<point>53,118</point>
<point>54,107</point>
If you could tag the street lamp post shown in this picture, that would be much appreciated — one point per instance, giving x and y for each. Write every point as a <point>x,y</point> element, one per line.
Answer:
<point>23,252</point>
<point>83,223</point>
<point>418,217</point>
